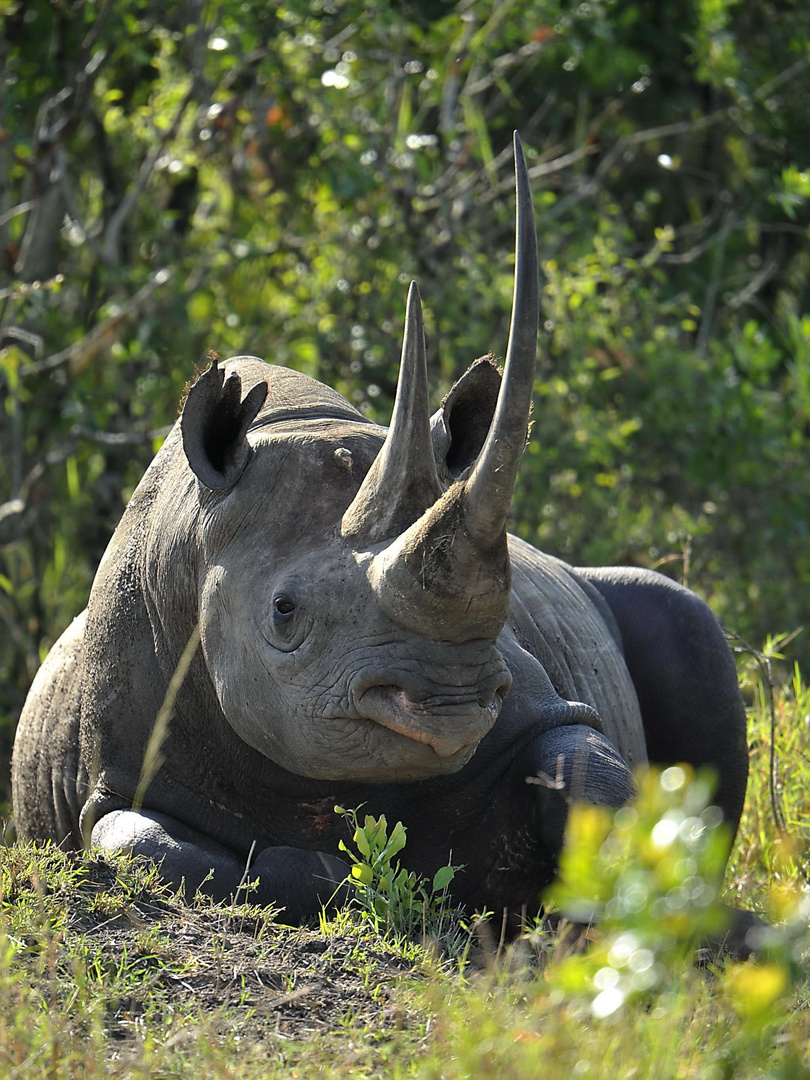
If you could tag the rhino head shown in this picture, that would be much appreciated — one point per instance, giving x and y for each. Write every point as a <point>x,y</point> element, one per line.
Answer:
<point>356,582</point>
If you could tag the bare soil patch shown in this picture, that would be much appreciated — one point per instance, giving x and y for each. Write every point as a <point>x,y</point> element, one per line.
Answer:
<point>236,969</point>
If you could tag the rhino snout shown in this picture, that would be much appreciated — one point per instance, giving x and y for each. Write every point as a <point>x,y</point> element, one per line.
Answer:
<point>447,726</point>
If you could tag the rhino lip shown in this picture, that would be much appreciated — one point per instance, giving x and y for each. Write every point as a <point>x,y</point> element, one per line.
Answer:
<point>446,728</point>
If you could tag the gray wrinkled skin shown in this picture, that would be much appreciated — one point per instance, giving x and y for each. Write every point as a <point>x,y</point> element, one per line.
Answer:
<point>369,634</point>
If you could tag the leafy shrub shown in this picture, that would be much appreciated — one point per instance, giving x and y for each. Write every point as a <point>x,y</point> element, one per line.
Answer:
<point>647,878</point>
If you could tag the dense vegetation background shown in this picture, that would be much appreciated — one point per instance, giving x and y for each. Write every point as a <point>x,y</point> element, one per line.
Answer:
<point>266,178</point>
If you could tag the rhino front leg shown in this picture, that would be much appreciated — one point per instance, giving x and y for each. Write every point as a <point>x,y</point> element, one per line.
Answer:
<point>300,882</point>
<point>572,763</point>
<point>565,754</point>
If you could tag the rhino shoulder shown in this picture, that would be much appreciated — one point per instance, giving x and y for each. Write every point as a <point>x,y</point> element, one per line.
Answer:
<point>562,621</point>
<point>49,778</point>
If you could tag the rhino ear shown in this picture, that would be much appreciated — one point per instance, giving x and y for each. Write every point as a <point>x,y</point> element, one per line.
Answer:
<point>214,425</point>
<point>460,425</point>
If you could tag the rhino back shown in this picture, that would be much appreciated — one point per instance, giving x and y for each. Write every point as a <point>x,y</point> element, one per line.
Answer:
<point>559,620</point>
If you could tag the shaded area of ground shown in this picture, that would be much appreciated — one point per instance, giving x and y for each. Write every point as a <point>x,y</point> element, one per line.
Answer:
<point>236,969</point>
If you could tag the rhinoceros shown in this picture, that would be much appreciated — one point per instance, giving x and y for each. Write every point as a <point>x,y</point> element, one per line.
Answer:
<point>332,612</point>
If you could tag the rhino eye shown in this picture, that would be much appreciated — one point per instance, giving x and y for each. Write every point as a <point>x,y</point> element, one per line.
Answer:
<point>283,607</point>
<point>286,625</point>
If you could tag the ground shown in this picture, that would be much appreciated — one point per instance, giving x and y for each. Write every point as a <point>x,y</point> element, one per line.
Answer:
<point>154,959</point>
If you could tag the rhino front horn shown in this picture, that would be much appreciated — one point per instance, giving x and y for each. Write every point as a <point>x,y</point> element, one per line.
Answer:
<point>448,574</point>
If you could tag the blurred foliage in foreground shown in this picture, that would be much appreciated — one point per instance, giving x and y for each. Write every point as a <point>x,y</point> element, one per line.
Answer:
<point>267,178</point>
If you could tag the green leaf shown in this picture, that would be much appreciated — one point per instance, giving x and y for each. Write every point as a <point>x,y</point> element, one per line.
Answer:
<point>363,873</point>
<point>361,840</point>
<point>72,473</point>
<point>442,878</point>
<point>396,841</point>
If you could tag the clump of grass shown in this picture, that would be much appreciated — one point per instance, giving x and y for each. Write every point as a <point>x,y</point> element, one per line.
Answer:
<point>648,877</point>
<point>61,992</point>
<point>770,855</point>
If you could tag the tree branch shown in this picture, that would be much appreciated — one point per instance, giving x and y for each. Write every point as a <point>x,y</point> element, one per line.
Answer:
<point>109,246</point>
<point>16,506</point>
<point>747,294</point>
<point>102,334</point>
<point>710,302</point>
<point>15,211</point>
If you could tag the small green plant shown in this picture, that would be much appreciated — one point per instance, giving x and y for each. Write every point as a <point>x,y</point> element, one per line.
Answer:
<point>394,898</point>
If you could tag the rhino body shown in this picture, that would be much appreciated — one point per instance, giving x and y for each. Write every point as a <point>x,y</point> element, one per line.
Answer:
<point>368,634</point>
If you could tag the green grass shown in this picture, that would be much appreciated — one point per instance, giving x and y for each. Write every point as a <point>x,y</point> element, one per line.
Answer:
<point>105,974</point>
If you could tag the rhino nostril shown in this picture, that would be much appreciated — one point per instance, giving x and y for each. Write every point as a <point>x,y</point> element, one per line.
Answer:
<point>492,698</point>
<point>491,702</point>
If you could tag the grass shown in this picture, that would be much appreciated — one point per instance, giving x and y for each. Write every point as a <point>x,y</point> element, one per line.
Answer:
<point>105,974</point>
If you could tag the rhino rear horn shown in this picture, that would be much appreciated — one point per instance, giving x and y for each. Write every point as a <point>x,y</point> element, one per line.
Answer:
<point>214,426</point>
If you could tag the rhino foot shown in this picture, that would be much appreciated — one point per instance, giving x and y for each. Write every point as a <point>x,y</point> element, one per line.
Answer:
<point>296,882</point>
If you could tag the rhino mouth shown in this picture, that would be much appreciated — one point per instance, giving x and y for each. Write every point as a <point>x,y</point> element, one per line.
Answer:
<point>447,726</point>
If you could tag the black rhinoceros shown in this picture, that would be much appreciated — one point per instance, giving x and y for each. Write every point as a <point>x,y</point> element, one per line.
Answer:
<point>369,633</point>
